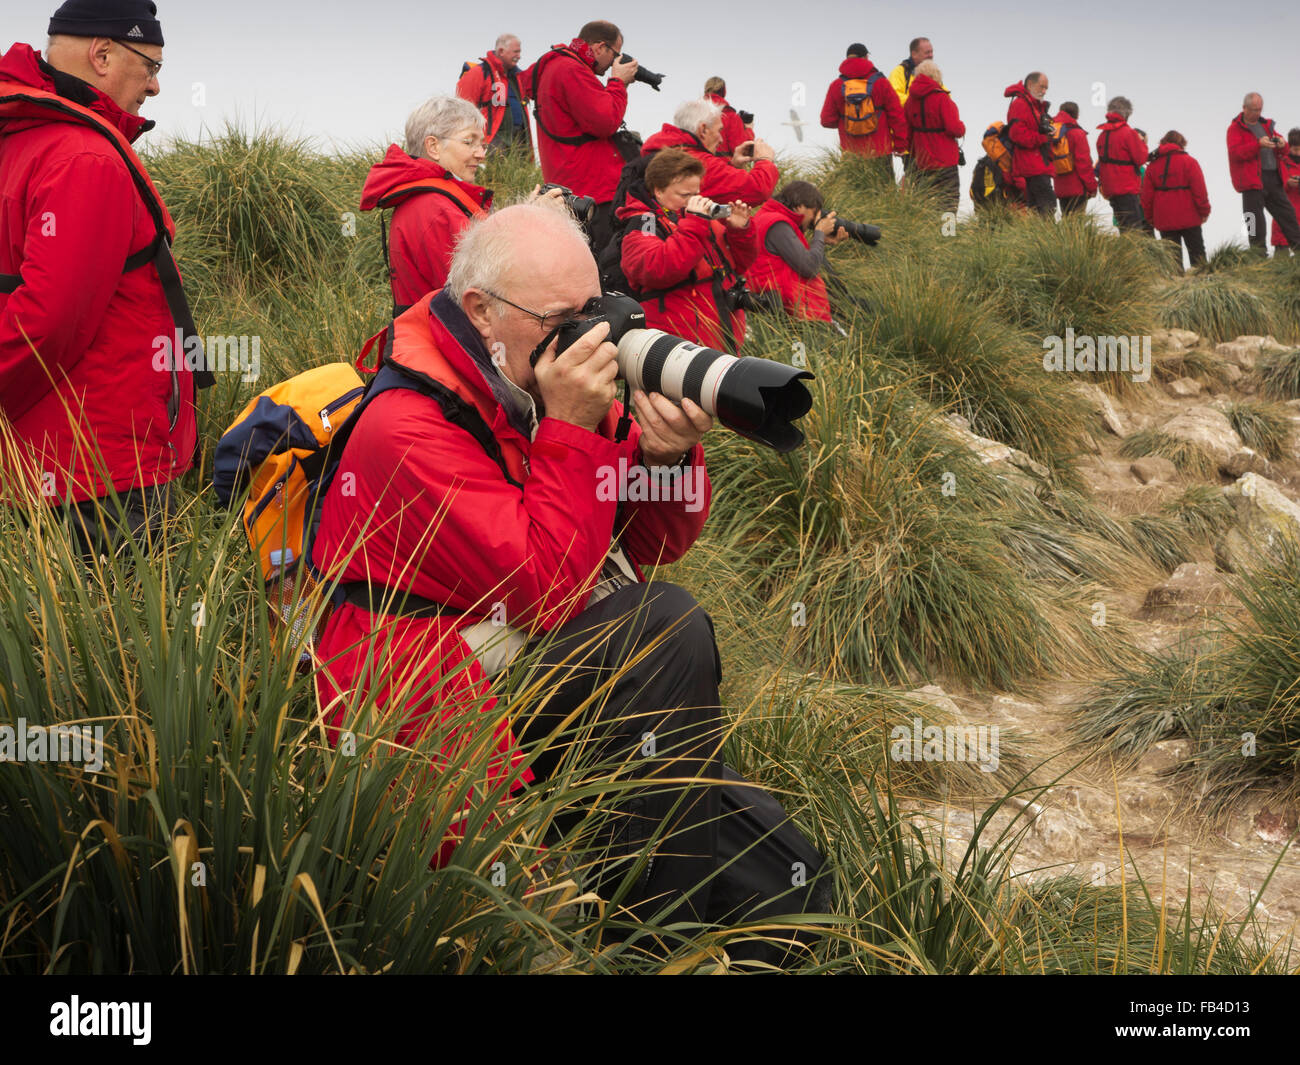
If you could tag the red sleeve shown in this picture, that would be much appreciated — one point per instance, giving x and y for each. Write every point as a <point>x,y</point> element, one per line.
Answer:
<point>743,245</point>
<point>952,118</point>
<point>651,263</point>
<point>724,182</point>
<point>1199,195</point>
<point>886,99</point>
<point>470,85</point>
<point>1138,151</point>
<point>594,108</point>
<point>525,79</point>
<point>831,108</point>
<point>1148,192</point>
<point>1024,129</point>
<point>1083,161</point>
<point>80,219</point>
<point>1242,145</point>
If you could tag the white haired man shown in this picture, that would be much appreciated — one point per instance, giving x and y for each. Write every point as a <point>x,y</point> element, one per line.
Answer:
<point>1256,152</point>
<point>500,90</point>
<point>749,174</point>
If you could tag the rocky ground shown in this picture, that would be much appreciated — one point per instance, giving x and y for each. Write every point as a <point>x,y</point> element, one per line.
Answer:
<point>1111,820</point>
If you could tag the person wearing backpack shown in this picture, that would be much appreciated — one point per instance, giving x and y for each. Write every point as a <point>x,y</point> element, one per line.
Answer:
<point>1290,170</point>
<point>1121,154</point>
<point>735,134</point>
<point>1255,160</point>
<point>91,303</point>
<point>863,106</point>
<point>1029,129</point>
<point>577,118</point>
<point>748,174</point>
<point>1174,197</point>
<point>1074,180</point>
<point>934,128</point>
<point>498,88</point>
<point>680,264</point>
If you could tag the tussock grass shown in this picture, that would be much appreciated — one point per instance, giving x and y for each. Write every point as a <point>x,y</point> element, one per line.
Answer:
<point>1279,374</point>
<point>1190,458</point>
<point>1265,427</point>
<point>1203,511</point>
<point>1219,305</point>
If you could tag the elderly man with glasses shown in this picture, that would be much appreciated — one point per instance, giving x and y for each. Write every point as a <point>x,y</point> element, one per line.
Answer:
<point>472,517</point>
<point>88,288</point>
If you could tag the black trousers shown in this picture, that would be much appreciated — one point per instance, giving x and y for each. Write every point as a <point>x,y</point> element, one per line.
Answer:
<point>1128,211</point>
<point>1193,239</point>
<point>659,719</point>
<point>1070,204</point>
<point>1040,195</point>
<point>98,529</point>
<point>1272,197</point>
<point>946,179</point>
<point>600,228</point>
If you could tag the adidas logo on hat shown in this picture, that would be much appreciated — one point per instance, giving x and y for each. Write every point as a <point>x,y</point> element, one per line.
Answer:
<point>135,31</point>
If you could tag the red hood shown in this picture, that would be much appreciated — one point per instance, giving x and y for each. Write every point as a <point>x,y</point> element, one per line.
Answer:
<point>721,101</point>
<point>1113,121</point>
<point>1018,89</point>
<point>638,202</point>
<point>24,65</point>
<point>1065,118</point>
<point>924,85</point>
<point>398,168</point>
<point>857,67</point>
<point>671,137</point>
<point>1165,149</point>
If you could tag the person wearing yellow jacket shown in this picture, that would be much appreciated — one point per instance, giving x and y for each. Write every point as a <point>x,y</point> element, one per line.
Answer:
<point>901,76</point>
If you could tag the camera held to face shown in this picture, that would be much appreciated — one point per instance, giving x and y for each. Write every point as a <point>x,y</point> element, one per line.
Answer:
<point>862,232</point>
<point>581,206</point>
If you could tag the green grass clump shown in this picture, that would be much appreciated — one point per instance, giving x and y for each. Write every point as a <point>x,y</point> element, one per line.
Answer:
<point>1279,374</point>
<point>1265,427</point>
<point>1203,511</point>
<point>1190,458</point>
<point>1219,305</point>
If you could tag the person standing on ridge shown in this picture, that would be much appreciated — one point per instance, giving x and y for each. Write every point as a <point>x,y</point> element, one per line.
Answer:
<point>864,107</point>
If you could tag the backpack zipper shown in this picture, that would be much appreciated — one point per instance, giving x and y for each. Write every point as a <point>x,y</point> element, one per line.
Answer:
<point>342,401</point>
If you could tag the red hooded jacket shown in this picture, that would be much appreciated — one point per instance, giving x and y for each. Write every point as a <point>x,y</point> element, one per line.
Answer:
<point>891,128</point>
<point>734,133</point>
<point>934,124</point>
<point>570,102</point>
<point>1173,191</point>
<point>801,297</point>
<point>1243,153</point>
<point>1289,167</point>
<point>487,90</point>
<point>70,216</point>
<point>722,182</point>
<point>418,505</point>
<point>1029,146</point>
<point>425,224</point>
<point>1082,180</point>
<point>1120,154</point>
<point>678,261</point>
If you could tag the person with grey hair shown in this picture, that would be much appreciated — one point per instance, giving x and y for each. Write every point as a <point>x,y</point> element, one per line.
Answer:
<point>748,174</point>
<point>430,185</point>
<point>500,90</point>
<point>1256,155</point>
<point>1121,155</point>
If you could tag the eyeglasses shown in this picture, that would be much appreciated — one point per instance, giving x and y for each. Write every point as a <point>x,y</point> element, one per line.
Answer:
<point>155,65</point>
<point>473,142</point>
<point>591,309</point>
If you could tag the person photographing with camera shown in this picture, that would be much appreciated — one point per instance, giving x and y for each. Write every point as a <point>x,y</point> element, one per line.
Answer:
<point>1029,125</point>
<point>682,254</point>
<point>1255,152</point>
<point>788,263</point>
<point>747,173</point>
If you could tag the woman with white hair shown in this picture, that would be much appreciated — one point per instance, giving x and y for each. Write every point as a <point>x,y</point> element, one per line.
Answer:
<point>748,174</point>
<point>431,187</point>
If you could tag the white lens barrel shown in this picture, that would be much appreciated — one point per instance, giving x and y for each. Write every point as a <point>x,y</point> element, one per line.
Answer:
<point>654,361</point>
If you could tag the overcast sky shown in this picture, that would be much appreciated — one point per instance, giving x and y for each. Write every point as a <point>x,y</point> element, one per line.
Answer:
<point>349,73</point>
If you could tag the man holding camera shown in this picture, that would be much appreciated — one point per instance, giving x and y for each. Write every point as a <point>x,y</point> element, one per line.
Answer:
<point>787,262</point>
<point>577,118</point>
<point>748,174</point>
<point>475,497</point>
<point>1255,157</point>
<point>1029,126</point>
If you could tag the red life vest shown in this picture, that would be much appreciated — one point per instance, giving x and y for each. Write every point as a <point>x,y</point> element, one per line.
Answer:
<point>802,297</point>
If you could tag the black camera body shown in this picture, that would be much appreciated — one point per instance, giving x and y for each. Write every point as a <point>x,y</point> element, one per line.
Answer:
<point>746,117</point>
<point>717,212</point>
<point>644,76</point>
<point>581,206</point>
<point>862,232</point>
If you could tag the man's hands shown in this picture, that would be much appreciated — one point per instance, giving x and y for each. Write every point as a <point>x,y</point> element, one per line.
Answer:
<point>830,228</point>
<point>554,198</point>
<point>749,151</point>
<point>578,386</point>
<point>666,429</point>
<point>624,71</point>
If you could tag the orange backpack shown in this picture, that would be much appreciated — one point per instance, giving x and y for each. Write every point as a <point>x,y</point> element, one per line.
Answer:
<point>860,115</point>
<point>1061,153</point>
<point>997,146</point>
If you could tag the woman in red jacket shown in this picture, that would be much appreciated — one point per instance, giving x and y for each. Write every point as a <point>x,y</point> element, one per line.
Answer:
<point>934,127</point>
<point>1174,198</point>
<point>683,265</point>
<point>431,185</point>
<point>1289,168</point>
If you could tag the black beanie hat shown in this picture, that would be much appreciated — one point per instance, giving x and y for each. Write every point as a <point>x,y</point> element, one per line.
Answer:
<point>122,20</point>
<point>856,50</point>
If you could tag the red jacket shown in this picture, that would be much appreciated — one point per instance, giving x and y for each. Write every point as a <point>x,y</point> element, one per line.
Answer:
<point>1243,153</point>
<point>1120,154</point>
<point>419,506</point>
<point>1029,146</point>
<point>1082,180</point>
<point>722,182</point>
<point>1173,191</point>
<point>933,124</point>
<point>891,128</point>
<point>734,133</point>
<point>678,261</point>
<point>70,215</point>
<point>425,224</point>
<point>488,91</point>
<point>801,297</point>
<point>570,102</point>
<point>1289,166</point>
